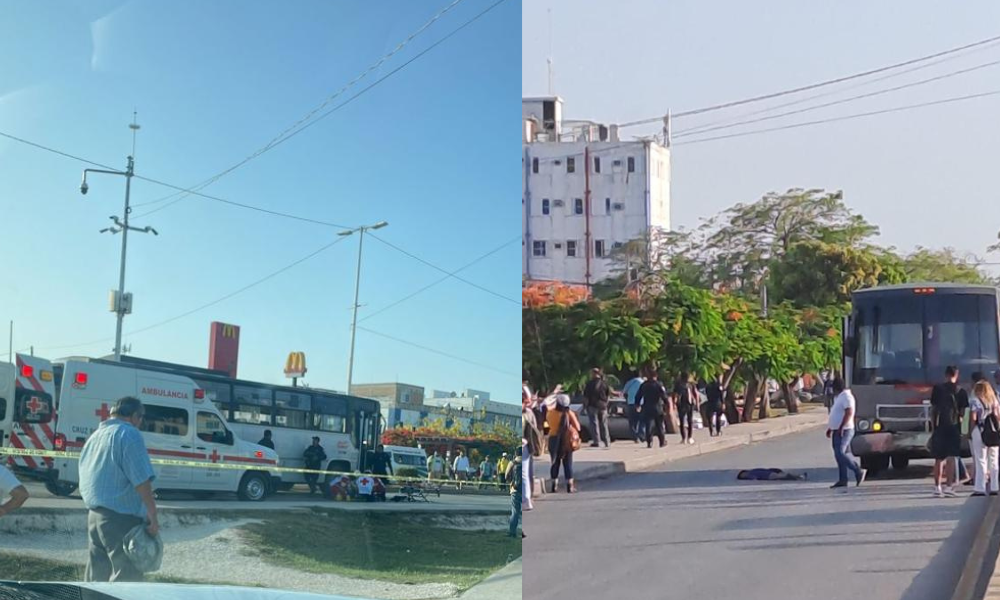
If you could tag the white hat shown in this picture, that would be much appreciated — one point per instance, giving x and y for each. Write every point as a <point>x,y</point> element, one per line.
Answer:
<point>562,400</point>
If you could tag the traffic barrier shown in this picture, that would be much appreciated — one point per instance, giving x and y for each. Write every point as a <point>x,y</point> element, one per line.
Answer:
<point>203,465</point>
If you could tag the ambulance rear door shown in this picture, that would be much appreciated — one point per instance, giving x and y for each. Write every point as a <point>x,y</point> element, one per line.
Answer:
<point>33,413</point>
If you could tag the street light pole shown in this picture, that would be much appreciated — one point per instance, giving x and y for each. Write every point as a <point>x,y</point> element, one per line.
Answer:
<point>357,286</point>
<point>121,307</point>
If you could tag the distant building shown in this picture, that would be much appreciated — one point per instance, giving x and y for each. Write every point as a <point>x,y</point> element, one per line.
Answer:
<point>405,405</point>
<point>585,194</point>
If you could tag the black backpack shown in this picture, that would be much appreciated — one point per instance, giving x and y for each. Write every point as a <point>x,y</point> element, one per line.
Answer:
<point>990,430</point>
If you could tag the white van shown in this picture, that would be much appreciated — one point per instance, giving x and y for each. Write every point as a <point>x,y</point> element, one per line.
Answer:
<point>180,424</point>
<point>404,457</point>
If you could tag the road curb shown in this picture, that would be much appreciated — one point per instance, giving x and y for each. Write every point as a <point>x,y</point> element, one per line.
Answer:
<point>976,564</point>
<point>726,442</point>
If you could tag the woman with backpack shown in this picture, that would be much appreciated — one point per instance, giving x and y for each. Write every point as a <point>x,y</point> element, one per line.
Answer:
<point>564,439</point>
<point>984,412</point>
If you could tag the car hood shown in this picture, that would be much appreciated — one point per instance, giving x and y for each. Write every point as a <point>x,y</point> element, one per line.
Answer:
<point>169,591</point>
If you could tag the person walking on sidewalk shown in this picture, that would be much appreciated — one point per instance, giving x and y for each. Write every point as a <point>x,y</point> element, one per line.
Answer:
<point>841,429</point>
<point>636,425</point>
<point>652,399</point>
<point>595,397</point>
<point>984,415</point>
<point>714,408</point>
<point>946,438</point>
<point>531,445</point>
<point>562,422</point>
<point>687,400</point>
<point>513,474</point>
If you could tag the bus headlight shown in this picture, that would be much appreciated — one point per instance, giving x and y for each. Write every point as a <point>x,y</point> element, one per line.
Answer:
<point>877,426</point>
<point>863,424</point>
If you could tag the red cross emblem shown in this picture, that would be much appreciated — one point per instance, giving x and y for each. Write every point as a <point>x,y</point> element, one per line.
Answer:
<point>364,481</point>
<point>215,455</point>
<point>103,412</point>
<point>34,406</point>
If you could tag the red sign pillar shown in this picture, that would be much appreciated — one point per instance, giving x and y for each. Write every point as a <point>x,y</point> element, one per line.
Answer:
<point>224,347</point>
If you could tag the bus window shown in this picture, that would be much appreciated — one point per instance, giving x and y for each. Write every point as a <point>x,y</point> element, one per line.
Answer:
<point>219,393</point>
<point>299,419</point>
<point>254,415</point>
<point>293,400</point>
<point>165,420</point>
<point>245,394</point>
<point>961,330</point>
<point>331,423</point>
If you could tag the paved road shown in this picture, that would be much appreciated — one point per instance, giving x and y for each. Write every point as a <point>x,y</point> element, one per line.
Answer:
<point>690,530</point>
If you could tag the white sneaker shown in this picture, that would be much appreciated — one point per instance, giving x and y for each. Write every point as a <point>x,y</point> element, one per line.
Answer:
<point>950,492</point>
<point>691,440</point>
<point>938,493</point>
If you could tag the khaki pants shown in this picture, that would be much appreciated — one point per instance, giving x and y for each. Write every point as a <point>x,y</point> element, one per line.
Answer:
<point>108,562</point>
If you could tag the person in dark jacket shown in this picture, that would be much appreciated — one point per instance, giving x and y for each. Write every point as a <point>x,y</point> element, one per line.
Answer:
<point>713,407</point>
<point>595,395</point>
<point>687,400</point>
<point>381,462</point>
<point>948,402</point>
<point>266,440</point>
<point>314,455</point>
<point>652,398</point>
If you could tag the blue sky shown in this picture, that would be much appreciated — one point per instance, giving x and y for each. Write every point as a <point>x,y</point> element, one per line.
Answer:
<point>926,177</point>
<point>427,150</point>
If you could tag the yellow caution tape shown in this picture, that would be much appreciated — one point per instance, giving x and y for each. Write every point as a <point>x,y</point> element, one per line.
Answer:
<point>240,467</point>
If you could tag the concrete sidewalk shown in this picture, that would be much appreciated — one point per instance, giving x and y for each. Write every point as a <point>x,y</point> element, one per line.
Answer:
<point>626,456</point>
<point>505,584</point>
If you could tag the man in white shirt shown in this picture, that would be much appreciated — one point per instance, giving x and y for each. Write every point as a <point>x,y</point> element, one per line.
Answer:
<point>10,486</point>
<point>841,430</point>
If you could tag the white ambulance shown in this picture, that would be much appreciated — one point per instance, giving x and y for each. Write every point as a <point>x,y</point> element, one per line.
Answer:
<point>27,414</point>
<point>405,457</point>
<point>180,425</point>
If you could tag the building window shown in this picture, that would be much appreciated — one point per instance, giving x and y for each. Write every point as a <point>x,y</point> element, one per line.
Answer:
<point>534,165</point>
<point>631,164</point>
<point>570,247</point>
<point>597,164</point>
<point>607,206</point>
<point>538,247</point>
<point>618,206</point>
<point>545,206</point>
<point>571,165</point>
<point>578,206</point>
<point>599,248</point>
<point>616,245</point>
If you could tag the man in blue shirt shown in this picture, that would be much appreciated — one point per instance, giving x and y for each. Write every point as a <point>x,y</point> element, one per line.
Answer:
<point>116,482</point>
<point>635,422</point>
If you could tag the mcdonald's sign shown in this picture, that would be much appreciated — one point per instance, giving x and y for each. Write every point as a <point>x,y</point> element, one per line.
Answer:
<point>295,366</point>
<point>224,347</point>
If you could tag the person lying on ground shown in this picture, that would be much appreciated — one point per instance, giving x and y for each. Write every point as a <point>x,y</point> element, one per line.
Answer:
<point>770,475</point>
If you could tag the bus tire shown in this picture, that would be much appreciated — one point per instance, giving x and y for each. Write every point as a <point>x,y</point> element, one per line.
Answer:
<point>60,488</point>
<point>253,487</point>
<point>899,462</point>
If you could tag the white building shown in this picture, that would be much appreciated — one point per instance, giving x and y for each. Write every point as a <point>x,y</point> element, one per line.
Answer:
<point>585,193</point>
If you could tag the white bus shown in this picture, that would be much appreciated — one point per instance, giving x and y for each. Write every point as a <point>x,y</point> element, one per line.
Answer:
<point>349,427</point>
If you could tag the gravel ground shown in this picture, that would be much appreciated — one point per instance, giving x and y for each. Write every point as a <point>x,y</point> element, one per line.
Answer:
<point>189,543</point>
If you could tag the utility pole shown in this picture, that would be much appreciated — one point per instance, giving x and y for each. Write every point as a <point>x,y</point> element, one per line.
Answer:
<point>357,285</point>
<point>10,344</point>
<point>121,303</point>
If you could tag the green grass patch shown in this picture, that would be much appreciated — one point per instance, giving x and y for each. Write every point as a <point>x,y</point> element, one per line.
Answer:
<point>382,545</point>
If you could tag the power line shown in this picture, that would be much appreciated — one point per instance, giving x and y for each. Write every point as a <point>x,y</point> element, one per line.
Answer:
<point>812,86</point>
<point>433,351</point>
<point>445,278</point>
<point>304,124</point>
<point>213,302</point>
<point>54,151</point>
<point>841,118</point>
<point>700,130</point>
<point>437,268</point>
<point>834,92</point>
<point>233,203</point>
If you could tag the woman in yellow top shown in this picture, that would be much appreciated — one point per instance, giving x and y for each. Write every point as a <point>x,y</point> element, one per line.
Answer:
<point>555,418</point>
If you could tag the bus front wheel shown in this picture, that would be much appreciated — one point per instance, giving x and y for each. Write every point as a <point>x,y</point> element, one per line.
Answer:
<point>875,463</point>
<point>899,463</point>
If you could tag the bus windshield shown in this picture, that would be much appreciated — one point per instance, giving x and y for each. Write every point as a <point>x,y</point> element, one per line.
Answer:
<point>911,338</point>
